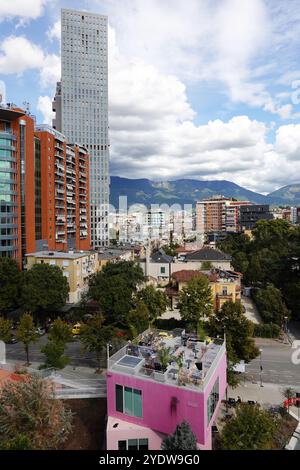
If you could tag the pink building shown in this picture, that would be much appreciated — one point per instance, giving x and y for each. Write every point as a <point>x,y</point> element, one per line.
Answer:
<point>146,403</point>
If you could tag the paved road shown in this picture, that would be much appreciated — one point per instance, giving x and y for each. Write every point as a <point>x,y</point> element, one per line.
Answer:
<point>251,310</point>
<point>73,351</point>
<point>277,364</point>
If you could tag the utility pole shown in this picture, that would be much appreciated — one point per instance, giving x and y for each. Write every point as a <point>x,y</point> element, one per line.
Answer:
<point>261,367</point>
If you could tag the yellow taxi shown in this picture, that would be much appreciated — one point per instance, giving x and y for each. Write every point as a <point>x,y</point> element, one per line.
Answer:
<point>76,329</point>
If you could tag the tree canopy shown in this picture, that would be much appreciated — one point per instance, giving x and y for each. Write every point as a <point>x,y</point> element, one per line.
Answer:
<point>195,301</point>
<point>28,408</point>
<point>183,438</point>
<point>5,329</point>
<point>113,289</point>
<point>45,289</point>
<point>271,305</point>
<point>94,336</point>
<point>10,284</point>
<point>231,321</point>
<point>251,429</point>
<point>155,300</point>
<point>26,332</point>
<point>272,256</point>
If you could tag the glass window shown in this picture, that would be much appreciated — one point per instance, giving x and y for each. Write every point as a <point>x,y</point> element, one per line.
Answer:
<point>143,444</point>
<point>133,444</point>
<point>212,401</point>
<point>137,403</point>
<point>162,270</point>
<point>128,401</point>
<point>122,445</point>
<point>119,398</point>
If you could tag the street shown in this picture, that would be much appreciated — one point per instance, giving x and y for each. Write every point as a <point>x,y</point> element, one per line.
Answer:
<point>73,351</point>
<point>276,363</point>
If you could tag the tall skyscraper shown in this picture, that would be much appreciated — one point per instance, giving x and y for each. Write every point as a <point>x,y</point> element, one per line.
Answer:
<point>81,105</point>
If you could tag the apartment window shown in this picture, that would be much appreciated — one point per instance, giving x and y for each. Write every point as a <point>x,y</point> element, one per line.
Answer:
<point>224,290</point>
<point>212,401</point>
<point>133,444</point>
<point>129,401</point>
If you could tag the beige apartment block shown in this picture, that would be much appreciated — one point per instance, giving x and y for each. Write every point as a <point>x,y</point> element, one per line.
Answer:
<point>77,267</point>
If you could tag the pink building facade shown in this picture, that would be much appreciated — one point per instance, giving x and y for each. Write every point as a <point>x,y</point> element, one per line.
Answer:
<point>142,410</point>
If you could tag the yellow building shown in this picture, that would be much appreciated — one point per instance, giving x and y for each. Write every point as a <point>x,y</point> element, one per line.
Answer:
<point>225,285</point>
<point>77,267</point>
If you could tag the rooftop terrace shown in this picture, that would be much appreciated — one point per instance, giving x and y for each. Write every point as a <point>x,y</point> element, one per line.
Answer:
<point>173,358</point>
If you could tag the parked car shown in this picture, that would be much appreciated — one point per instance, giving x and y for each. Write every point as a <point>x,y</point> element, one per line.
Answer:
<point>40,331</point>
<point>76,329</point>
<point>13,340</point>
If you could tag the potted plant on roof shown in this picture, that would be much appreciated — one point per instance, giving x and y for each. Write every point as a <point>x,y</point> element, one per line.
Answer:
<point>181,376</point>
<point>164,357</point>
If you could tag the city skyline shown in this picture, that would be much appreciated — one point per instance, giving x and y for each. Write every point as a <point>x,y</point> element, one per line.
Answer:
<point>204,90</point>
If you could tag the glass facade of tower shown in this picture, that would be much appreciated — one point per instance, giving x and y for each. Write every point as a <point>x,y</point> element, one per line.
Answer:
<point>84,105</point>
<point>8,192</point>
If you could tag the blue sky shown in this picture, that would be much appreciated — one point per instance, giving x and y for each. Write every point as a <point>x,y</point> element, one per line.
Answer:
<point>206,89</point>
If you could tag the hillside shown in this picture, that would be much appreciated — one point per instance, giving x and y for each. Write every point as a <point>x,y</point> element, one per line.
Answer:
<point>183,191</point>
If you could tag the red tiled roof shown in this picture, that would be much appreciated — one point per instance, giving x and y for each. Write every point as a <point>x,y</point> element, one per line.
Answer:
<point>185,275</point>
<point>181,249</point>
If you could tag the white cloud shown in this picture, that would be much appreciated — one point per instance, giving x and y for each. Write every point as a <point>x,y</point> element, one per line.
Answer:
<point>153,133</point>
<point>233,45</point>
<point>18,54</point>
<point>44,106</point>
<point>54,32</point>
<point>22,9</point>
<point>2,91</point>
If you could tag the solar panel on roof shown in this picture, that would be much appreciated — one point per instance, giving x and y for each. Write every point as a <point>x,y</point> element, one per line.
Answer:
<point>129,361</point>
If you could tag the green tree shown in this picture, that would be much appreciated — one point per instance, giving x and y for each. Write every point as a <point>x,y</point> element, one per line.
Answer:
<point>131,272</point>
<point>60,332</point>
<point>195,301</point>
<point>114,296</point>
<point>231,321</point>
<point>270,305</point>
<point>19,442</point>
<point>26,332</point>
<point>10,284</point>
<point>28,408</point>
<point>183,438</point>
<point>155,300</point>
<point>5,329</point>
<point>138,319</point>
<point>251,429</point>
<point>54,352</point>
<point>45,289</point>
<point>206,265</point>
<point>94,336</point>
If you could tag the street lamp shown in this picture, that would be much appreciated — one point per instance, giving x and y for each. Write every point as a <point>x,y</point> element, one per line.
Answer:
<point>108,348</point>
<point>286,324</point>
<point>261,367</point>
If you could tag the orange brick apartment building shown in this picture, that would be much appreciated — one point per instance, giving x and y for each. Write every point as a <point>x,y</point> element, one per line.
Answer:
<point>44,188</point>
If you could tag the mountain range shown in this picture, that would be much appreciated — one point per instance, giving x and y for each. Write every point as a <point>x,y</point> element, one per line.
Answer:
<point>188,191</point>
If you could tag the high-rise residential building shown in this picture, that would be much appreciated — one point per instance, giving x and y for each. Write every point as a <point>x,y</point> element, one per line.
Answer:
<point>18,199</point>
<point>44,188</point>
<point>65,191</point>
<point>81,105</point>
<point>147,399</point>
<point>218,214</point>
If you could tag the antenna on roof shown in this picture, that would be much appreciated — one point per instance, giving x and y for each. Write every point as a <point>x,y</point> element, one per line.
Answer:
<point>26,105</point>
